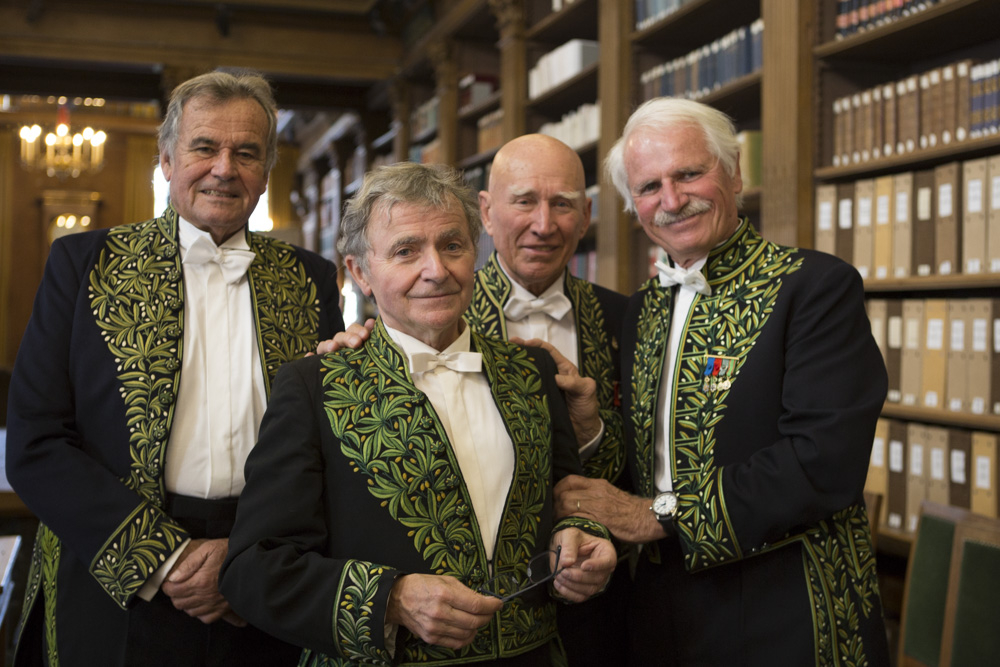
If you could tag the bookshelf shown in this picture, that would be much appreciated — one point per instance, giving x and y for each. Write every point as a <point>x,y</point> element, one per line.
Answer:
<point>805,68</point>
<point>677,53</point>
<point>520,32</point>
<point>928,36</point>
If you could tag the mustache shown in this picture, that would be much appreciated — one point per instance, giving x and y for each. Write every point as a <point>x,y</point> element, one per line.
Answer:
<point>693,207</point>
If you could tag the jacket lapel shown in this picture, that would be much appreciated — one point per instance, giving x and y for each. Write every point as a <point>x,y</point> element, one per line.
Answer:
<point>137,299</point>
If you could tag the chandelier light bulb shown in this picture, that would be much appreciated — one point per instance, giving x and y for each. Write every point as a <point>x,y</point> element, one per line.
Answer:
<point>65,153</point>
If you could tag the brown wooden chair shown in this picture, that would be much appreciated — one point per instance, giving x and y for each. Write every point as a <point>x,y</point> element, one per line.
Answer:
<point>926,588</point>
<point>971,632</point>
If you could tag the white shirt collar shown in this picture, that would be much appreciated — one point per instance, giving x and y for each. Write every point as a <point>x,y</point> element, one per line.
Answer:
<point>188,234</point>
<point>518,290</point>
<point>409,345</point>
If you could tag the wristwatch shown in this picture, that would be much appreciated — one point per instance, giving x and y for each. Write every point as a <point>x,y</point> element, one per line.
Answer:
<point>664,508</point>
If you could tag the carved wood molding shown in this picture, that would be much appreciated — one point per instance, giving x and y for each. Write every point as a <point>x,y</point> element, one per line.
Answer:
<point>442,57</point>
<point>509,16</point>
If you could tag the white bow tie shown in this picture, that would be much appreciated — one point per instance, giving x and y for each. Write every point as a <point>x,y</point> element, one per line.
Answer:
<point>672,275</point>
<point>233,262</point>
<point>463,362</point>
<point>555,305</point>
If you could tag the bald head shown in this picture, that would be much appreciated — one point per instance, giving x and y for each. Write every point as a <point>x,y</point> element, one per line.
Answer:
<point>536,208</point>
<point>531,153</point>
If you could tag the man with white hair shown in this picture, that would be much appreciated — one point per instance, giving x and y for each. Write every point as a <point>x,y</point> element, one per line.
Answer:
<point>752,389</point>
<point>137,395</point>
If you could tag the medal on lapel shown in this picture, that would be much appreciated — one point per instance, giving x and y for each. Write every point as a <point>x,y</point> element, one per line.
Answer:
<point>718,373</point>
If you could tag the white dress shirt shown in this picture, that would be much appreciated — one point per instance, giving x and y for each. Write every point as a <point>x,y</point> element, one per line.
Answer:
<point>460,400</point>
<point>662,468</point>
<point>561,333</point>
<point>221,395</point>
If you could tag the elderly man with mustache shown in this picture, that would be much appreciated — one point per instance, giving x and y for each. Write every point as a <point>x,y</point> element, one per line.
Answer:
<point>751,389</point>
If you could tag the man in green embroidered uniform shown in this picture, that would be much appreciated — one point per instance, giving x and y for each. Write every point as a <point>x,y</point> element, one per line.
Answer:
<point>753,388</point>
<point>138,391</point>
<point>398,506</point>
<point>537,211</point>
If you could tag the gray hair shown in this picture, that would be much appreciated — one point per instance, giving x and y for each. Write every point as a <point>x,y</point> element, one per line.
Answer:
<point>662,113</point>
<point>428,185</point>
<point>221,86</point>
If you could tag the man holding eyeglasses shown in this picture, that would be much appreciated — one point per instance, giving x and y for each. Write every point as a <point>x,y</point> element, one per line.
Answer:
<point>398,505</point>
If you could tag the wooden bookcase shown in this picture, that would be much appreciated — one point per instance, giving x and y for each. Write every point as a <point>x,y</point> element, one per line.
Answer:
<point>790,101</point>
<point>944,33</point>
<point>941,34</point>
<point>519,31</point>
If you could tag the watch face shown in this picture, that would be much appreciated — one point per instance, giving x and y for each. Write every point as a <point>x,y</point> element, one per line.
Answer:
<point>665,504</point>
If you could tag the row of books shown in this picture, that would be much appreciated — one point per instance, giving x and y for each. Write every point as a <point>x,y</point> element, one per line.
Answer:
<point>354,168</point>
<point>984,89</point>
<point>478,177</point>
<point>750,157</point>
<point>577,128</point>
<point>860,15</point>
<point>914,113</point>
<point>913,462</point>
<point>489,131</point>
<point>940,354</point>
<point>475,88</point>
<point>561,64</point>
<point>705,69</point>
<point>648,12</point>
<point>425,117</point>
<point>584,265</point>
<point>939,221</point>
<point>429,153</point>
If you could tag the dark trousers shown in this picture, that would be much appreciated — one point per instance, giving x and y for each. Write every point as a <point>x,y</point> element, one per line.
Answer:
<point>159,634</point>
<point>595,632</point>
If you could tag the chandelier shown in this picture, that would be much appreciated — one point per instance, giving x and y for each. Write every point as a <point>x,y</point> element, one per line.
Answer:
<point>61,152</point>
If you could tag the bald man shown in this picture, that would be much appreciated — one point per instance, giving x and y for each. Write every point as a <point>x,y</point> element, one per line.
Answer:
<point>536,210</point>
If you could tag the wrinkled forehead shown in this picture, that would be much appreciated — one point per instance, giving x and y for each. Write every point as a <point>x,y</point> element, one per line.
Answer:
<point>567,192</point>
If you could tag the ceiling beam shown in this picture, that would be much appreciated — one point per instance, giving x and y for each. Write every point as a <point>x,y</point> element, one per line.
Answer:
<point>190,39</point>
<point>324,6</point>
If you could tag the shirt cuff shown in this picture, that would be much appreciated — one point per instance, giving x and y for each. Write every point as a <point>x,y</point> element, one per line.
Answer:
<point>152,584</point>
<point>588,450</point>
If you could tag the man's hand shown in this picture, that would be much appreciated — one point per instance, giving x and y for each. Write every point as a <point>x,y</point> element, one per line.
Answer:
<point>193,582</point>
<point>580,392</point>
<point>354,337</point>
<point>438,609</point>
<point>587,561</point>
<point>628,517</point>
